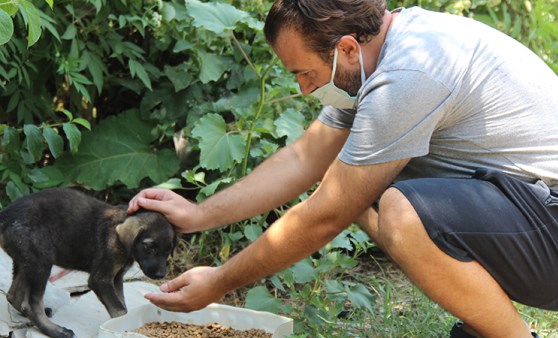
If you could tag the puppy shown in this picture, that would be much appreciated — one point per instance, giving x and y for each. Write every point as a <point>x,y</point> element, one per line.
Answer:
<point>67,228</point>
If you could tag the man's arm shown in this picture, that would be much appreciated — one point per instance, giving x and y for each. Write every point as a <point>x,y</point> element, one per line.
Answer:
<point>279,179</point>
<point>342,197</point>
<point>345,192</point>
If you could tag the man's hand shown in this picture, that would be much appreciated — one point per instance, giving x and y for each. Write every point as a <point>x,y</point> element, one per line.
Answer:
<point>193,290</point>
<point>179,212</point>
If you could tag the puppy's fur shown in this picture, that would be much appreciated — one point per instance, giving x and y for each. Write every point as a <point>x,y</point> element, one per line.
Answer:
<point>67,228</point>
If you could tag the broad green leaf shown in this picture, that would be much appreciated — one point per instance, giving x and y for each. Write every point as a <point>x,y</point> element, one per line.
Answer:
<point>211,188</point>
<point>82,122</point>
<point>341,260</point>
<point>173,183</point>
<point>73,135</point>
<point>10,140</point>
<point>6,27</point>
<point>290,124</point>
<point>54,141</point>
<point>137,68</point>
<point>304,271</point>
<point>360,297</point>
<point>179,77</point>
<point>182,45</point>
<point>168,12</point>
<point>212,66</point>
<point>49,23</point>
<point>96,68</point>
<point>259,299</point>
<point>68,113</point>
<point>252,232</point>
<point>33,140</point>
<point>219,149</point>
<point>341,241</point>
<point>33,19</point>
<point>8,6</point>
<point>50,3</point>
<point>335,286</point>
<point>215,17</point>
<point>118,150</point>
<point>239,102</point>
<point>15,189</point>
<point>46,177</point>
<point>70,32</point>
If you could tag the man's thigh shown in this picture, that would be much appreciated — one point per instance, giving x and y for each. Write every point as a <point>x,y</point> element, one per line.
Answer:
<point>509,226</point>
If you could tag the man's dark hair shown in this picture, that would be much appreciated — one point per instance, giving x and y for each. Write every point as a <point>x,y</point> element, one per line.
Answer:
<point>323,22</point>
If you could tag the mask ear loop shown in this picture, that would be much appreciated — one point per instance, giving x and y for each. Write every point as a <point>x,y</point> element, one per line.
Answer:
<point>334,69</point>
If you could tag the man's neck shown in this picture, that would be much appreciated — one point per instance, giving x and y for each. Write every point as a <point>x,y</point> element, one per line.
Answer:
<point>372,49</point>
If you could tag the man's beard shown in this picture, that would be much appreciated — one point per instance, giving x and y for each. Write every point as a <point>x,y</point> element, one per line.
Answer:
<point>349,81</point>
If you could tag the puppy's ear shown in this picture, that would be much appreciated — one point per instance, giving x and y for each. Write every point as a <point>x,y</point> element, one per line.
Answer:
<point>128,231</point>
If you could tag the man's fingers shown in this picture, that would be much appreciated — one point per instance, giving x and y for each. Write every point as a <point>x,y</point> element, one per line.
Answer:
<point>143,200</point>
<point>174,284</point>
<point>168,301</point>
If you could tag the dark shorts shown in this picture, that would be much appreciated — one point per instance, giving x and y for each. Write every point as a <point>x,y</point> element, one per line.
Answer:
<point>507,225</point>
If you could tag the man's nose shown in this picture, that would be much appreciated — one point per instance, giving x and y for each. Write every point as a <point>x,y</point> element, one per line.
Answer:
<point>306,86</point>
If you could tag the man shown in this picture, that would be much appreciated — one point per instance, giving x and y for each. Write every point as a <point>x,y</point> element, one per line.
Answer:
<point>417,98</point>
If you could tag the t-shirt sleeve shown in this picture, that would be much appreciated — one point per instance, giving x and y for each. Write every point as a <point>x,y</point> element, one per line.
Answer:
<point>337,118</point>
<point>398,111</point>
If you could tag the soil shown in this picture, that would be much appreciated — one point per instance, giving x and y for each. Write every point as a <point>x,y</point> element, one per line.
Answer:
<point>179,330</point>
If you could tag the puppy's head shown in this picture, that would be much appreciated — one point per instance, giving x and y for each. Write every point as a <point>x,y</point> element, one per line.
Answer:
<point>150,239</point>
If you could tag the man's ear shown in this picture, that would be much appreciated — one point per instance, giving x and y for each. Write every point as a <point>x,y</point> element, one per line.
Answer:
<point>128,231</point>
<point>349,48</point>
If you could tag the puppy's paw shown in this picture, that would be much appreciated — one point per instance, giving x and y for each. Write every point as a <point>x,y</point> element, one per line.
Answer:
<point>117,313</point>
<point>63,332</point>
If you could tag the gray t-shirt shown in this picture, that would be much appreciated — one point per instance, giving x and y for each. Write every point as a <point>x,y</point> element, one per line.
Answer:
<point>454,95</point>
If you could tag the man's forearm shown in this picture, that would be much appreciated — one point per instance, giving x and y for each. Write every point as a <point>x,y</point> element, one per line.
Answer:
<point>290,239</point>
<point>278,180</point>
<point>275,182</point>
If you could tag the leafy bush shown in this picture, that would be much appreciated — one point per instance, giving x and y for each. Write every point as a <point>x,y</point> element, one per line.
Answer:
<point>123,94</point>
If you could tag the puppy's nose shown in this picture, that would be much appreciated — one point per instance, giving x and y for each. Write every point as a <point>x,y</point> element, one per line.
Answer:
<point>159,274</point>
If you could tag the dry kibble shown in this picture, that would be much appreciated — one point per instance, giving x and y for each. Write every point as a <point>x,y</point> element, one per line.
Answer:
<point>180,330</point>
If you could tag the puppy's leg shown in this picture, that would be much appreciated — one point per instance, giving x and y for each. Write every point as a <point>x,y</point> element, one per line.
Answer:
<point>35,279</point>
<point>18,292</point>
<point>119,286</point>
<point>101,282</point>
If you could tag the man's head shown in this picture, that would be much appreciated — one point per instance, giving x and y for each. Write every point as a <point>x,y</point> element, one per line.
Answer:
<point>323,23</point>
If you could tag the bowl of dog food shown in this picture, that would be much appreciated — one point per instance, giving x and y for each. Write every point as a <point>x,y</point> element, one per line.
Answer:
<point>214,321</point>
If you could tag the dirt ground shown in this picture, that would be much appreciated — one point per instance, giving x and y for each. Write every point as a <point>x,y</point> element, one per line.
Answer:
<point>178,330</point>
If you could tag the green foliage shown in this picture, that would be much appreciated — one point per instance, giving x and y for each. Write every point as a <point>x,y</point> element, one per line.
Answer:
<point>30,14</point>
<point>118,151</point>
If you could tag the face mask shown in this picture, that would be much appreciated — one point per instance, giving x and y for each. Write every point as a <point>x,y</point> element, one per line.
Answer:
<point>330,94</point>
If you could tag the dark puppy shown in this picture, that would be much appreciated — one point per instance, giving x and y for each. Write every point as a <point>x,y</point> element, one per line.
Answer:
<point>70,229</point>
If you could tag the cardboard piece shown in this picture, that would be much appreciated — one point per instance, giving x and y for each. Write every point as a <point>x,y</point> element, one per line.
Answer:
<point>58,294</point>
<point>86,314</point>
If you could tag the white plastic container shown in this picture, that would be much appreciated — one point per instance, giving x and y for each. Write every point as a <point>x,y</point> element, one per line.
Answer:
<point>236,318</point>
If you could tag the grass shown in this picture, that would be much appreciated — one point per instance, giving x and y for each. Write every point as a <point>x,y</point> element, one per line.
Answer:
<point>404,311</point>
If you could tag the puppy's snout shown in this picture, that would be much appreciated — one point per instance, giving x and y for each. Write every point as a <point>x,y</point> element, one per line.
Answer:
<point>158,274</point>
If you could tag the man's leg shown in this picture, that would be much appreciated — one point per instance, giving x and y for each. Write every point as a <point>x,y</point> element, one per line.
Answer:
<point>465,289</point>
